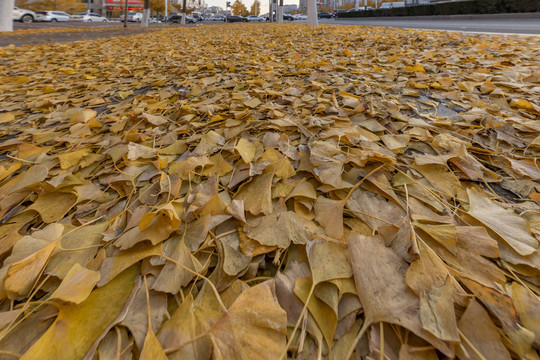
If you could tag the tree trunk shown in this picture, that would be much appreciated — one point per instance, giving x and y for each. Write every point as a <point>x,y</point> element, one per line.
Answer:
<point>312,13</point>
<point>6,15</point>
<point>125,13</point>
<point>166,12</point>
<point>146,13</point>
<point>356,4</point>
<point>184,5</point>
<point>280,12</point>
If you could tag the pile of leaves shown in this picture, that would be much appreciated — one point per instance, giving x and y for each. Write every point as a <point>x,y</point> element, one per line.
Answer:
<point>271,191</point>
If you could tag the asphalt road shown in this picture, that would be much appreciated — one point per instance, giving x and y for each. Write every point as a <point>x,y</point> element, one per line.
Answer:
<point>112,29</point>
<point>501,26</point>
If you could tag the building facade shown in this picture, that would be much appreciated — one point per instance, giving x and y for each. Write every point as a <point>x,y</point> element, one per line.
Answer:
<point>290,8</point>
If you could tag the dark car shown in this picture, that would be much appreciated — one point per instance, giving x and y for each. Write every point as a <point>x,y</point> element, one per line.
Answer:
<point>177,19</point>
<point>236,18</point>
<point>339,11</point>
<point>288,17</point>
<point>324,16</point>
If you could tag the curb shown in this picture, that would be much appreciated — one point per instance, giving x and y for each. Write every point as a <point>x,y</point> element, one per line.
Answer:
<point>535,15</point>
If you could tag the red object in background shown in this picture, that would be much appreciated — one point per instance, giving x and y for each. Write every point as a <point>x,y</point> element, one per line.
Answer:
<point>134,2</point>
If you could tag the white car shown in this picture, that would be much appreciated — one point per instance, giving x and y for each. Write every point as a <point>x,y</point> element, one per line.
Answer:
<point>22,15</point>
<point>253,18</point>
<point>133,17</point>
<point>300,17</point>
<point>218,18</point>
<point>52,16</point>
<point>390,5</point>
<point>88,17</point>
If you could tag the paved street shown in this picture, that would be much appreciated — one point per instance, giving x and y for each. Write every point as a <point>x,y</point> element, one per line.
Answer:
<point>506,26</point>
<point>113,29</point>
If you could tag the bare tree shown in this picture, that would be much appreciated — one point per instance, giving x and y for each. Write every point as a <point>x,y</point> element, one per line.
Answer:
<point>280,12</point>
<point>6,15</point>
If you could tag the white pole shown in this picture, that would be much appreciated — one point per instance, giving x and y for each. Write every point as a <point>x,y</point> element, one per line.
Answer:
<point>166,11</point>
<point>312,13</point>
<point>356,4</point>
<point>6,15</point>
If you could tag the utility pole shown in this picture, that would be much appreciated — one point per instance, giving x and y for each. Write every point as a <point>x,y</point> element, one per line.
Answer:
<point>125,13</point>
<point>6,15</point>
<point>312,13</point>
<point>88,7</point>
<point>183,21</point>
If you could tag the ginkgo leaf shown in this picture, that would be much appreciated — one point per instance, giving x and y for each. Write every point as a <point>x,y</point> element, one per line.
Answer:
<point>77,285</point>
<point>481,333</point>
<point>379,274</point>
<point>254,326</point>
<point>513,229</point>
<point>53,206</point>
<point>257,195</point>
<point>81,325</point>
<point>246,150</point>
<point>152,348</point>
<point>280,229</point>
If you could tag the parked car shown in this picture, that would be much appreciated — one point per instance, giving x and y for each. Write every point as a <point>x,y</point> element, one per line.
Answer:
<point>390,5</point>
<point>339,11</point>
<point>134,17</point>
<point>88,17</point>
<point>302,17</point>
<point>51,16</point>
<point>154,20</point>
<point>177,19</point>
<point>219,18</point>
<point>288,17</point>
<point>22,15</point>
<point>198,18</point>
<point>236,18</point>
<point>323,15</point>
<point>253,18</point>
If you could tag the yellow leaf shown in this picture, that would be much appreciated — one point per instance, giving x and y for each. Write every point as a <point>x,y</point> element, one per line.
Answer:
<point>71,158</point>
<point>83,116</point>
<point>21,275</point>
<point>416,68</point>
<point>77,285</point>
<point>255,327</point>
<point>522,104</point>
<point>6,117</point>
<point>246,150</point>
<point>253,103</point>
<point>52,206</point>
<point>77,327</point>
<point>257,194</point>
<point>152,349</point>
